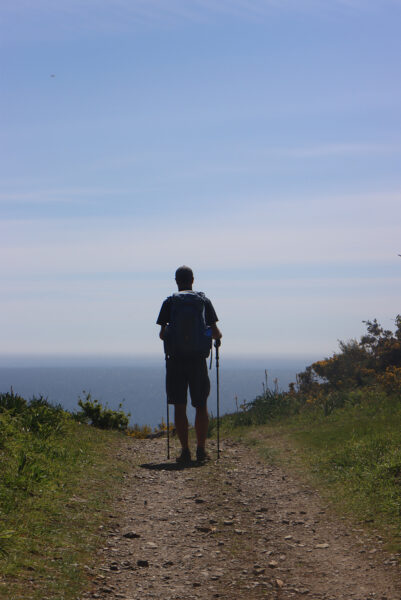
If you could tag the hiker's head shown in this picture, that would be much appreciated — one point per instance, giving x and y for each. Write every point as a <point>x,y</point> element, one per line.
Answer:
<point>184,278</point>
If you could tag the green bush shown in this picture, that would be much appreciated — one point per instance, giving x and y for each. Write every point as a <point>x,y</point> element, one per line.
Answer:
<point>264,408</point>
<point>43,418</point>
<point>12,402</point>
<point>102,416</point>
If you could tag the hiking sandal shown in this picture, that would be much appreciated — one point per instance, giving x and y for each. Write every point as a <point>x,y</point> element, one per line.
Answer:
<point>201,455</point>
<point>184,458</point>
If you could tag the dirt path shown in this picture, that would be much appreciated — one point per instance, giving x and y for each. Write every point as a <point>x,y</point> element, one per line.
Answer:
<point>235,529</point>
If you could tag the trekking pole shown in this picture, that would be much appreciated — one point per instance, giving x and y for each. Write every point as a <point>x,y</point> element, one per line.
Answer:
<point>217,345</point>
<point>168,432</point>
<point>168,425</point>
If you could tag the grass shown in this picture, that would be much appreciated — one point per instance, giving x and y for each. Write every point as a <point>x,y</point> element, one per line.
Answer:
<point>56,489</point>
<point>353,456</point>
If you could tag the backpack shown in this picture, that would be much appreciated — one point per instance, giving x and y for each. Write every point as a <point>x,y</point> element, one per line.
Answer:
<point>187,335</point>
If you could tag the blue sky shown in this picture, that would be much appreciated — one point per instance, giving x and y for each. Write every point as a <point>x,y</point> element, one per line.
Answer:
<point>257,141</point>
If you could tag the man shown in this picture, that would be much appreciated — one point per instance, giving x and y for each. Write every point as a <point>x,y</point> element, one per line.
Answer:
<point>187,370</point>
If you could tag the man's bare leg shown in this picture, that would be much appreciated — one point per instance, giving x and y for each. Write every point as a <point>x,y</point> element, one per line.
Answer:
<point>201,425</point>
<point>181,424</point>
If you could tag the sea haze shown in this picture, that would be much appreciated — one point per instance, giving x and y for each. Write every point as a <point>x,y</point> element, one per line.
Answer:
<point>137,382</point>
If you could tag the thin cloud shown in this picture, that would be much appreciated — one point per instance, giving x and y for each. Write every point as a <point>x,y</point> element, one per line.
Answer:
<point>104,17</point>
<point>60,248</point>
<point>249,161</point>
<point>74,195</point>
<point>337,150</point>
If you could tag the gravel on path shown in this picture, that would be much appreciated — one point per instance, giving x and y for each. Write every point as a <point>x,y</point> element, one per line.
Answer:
<point>237,528</point>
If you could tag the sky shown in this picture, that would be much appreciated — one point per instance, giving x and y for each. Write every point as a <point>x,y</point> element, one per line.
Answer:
<point>257,141</point>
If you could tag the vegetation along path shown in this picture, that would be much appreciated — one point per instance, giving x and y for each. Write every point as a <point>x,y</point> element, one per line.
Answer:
<point>233,528</point>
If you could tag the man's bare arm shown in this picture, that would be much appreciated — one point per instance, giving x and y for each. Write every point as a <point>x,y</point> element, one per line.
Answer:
<point>162,330</point>
<point>216,333</point>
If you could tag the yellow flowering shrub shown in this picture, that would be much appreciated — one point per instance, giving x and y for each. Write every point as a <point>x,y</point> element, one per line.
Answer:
<point>391,379</point>
<point>139,432</point>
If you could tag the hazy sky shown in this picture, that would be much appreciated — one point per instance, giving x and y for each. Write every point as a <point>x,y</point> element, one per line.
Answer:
<point>257,141</point>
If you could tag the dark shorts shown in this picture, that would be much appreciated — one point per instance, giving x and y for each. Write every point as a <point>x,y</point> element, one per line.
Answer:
<point>182,374</point>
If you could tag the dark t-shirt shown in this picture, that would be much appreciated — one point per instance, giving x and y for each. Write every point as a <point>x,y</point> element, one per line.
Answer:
<point>164,315</point>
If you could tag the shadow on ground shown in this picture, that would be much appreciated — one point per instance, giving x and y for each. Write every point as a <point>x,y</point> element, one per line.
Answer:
<point>168,466</point>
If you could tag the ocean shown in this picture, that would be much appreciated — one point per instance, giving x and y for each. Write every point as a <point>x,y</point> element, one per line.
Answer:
<point>138,382</point>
